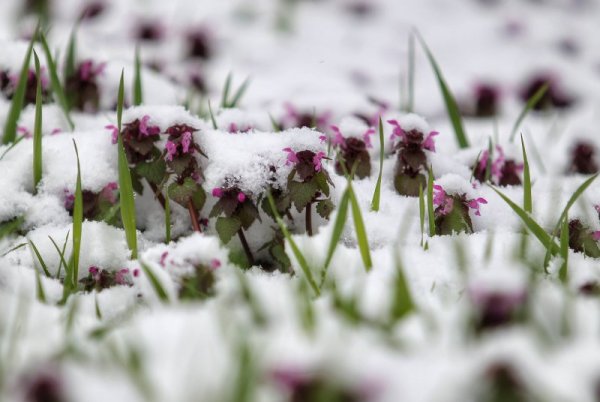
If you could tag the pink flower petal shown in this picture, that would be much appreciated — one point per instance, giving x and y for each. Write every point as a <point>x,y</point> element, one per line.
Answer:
<point>367,137</point>
<point>429,143</point>
<point>217,192</point>
<point>171,148</point>
<point>317,160</point>
<point>241,197</point>
<point>291,158</point>
<point>186,141</point>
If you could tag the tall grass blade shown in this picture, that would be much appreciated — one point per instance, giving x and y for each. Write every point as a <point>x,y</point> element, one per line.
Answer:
<point>61,253</point>
<point>422,213</point>
<point>18,100</point>
<point>156,285</point>
<point>336,235</point>
<point>534,100</point>
<point>238,95</point>
<point>57,88</point>
<point>451,105</point>
<point>126,198</point>
<point>430,208</point>
<point>212,116</point>
<point>359,227</point>
<point>527,195</point>
<point>77,226</point>
<point>402,302</point>
<point>70,67</point>
<point>580,190</point>
<point>226,90</point>
<point>377,194</point>
<point>297,253</point>
<point>37,126</point>
<point>564,250</point>
<point>40,259</point>
<point>167,220</point>
<point>39,288</point>
<point>138,94</point>
<point>410,106</point>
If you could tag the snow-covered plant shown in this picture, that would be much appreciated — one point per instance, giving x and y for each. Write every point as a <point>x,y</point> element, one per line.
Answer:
<point>9,83</point>
<point>294,117</point>
<point>352,153</point>
<point>503,171</point>
<point>199,284</point>
<point>81,88</point>
<point>97,205</point>
<point>553,98</point>
<point>452,211</point>
<point>308,183</point>
<point>582,239</point>
<point>412,159</point>
<point>583,158</point>
<point>99,279</point>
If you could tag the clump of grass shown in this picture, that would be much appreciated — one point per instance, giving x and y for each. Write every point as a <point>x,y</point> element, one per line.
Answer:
<point>227,101</point>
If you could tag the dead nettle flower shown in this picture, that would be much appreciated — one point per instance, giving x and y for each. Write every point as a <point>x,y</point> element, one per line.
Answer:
<point>372,119</point>
<point>99,279</point>
<point>92,10</point>
<point>199,284</point>
<point>295,118</point>
<point>139,139</point>
<point>96,205</point>
<point>554,97</point>
<point>198,82</point>
<point>352,151</point>
<point>486,97</point>
<point>233,128</point>
<point>81,88</point>
<point>150,31</point>
<point>582,239</point>
<point>412,159</point>
<point>452,211</point>
<point>235,212</point>
<point>199,43</point>
<point>45,384</point>
<point>503,171</point>
<point>312,186</point>
<point>495,308</point>
<point>583,158</point>
<point>10,82</point>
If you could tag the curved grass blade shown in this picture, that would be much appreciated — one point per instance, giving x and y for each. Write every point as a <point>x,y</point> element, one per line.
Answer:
<point>15,248</point>
<point>11,226</point>
<point>57,88</point>
<point>430,209</point>
<point>70,68</point>
<point>527,195</point>
<point>18,100</point>
<point>297,253</point>
<point>226,90</point>
<point>377,194</point>
<point>37,126</point>
<point>11,146</point>
<point>564,250</point>
<point>156,285</point>
<point>39,288</point>
<point>138,94</point>
<point>359,227</point>
<point>534,100</point>
<point>61,253</point>
<point>126,198</point>
<point>451,105</point>
<point>238,95</point>
<point>39,258</point>
<point>77,228</point>
<point>336,235</point>
<point>402,301</point>
<point>212,116</point>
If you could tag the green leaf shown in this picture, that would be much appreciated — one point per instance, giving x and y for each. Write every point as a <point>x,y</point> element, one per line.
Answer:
<point>156,285</point>
<point>187,191</point>
<point>37,127</point>
<point>126,198</point>
<point>227,228</point>
<point>212,116</point>
<point>324,208</point>
<point>18,100</point>
<point>359,227</point>
<point>564,250</point>
<point>451,105</point>
<point>527,195</point>
<point>247,214</point>
<point>421,213</point>
<point>11,226</point>
<point>430,208</point>
<point>302,193</point>
<point>297,253</point>
<point>375,202</point>
<point>336,235</point>
<point>531,103</point>
<point>153,171</point>
<point>138,97</point>
<point>57,88</point>
<point>40,259</point>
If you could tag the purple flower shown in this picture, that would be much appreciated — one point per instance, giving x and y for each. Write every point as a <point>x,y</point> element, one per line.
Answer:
<point>317,160</point>
<point>217,192</point>
<point>241,197</point>
<point>87,70</point>
<point>413,137</point>
<point>443,200</point>
<point>292,157</point>
<point>215,263</point>
<point>474,204</point>
<point>186,142</point>
<point>69,199</point>
<point>115,132</point>
<point>429,143</point>
<point>367,137</point>
<point>163,258</point>
<point>338,139</point>
<point>397,132</point>
<point>171,148</point>
<point>121,276</point>
<point>147,130</point>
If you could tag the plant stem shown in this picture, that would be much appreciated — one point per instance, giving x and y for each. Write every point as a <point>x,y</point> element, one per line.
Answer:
<point>194,217</point>
<point>309,219</point>
<point>157,194</point>
<point>245,246</point>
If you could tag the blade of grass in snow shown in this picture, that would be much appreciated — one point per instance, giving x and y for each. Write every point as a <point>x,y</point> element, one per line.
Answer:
<point>126,199</point>
<point>411,73</point>
<point>451,105</point>
<point>475,166</point>
<point>73,271</point>
<point>39,288</point>
<point>138,95</point>
<point>156,285</point>
<point>57,88</point>
<point>377,194</point>
<point>359,227</point>
<point>238,95</point>
<point>11,146</point>
<point>527,195</point>
<point>297,253</point>
<point>63,261</point>
<point>402,302</point>
<point>69,67</point>
<point>18,100</point>
<point>15,248</point>
<point>535,98</point>
<point>97,307</point>
<point>338,228</point>
<point>37,126</point>
<point>11,226</point>
<point>167,220</point>
<point>531,224</point>
<point>212,116</point>
<point>421,213</point>
<point>430,208</point>
<point>564,250</point>
<point>40,259</point>
<point>488,164</point>
<point>226,90</point>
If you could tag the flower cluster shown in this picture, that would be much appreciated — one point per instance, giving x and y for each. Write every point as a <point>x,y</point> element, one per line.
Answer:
<point>503,171</point>
<point>99,279</point>
<point>412,160</point>
<point>96,205</point>
<point>296,118</point>
<point>553,98</point>
<point>495,308</point>
<point>81,87</point>
<point>352,152</point>
<point>583,158</point>
<point>9,83</point>
<point>452,211</point>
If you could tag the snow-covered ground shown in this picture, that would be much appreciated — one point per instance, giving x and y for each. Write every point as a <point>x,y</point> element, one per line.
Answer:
<point>467,306</point>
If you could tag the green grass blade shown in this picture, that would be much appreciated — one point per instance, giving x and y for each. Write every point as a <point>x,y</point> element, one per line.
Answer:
<point>37,126</point>
<point>527,195</point>
<point>402,302</point>
<point>57,88</point>
<point>70,67</point>
<point>451,105</point>
<point>40,259</point>
<point>375,203</point>
<point>580,190</point>
<point>77,225</point>
<point>18,100</point>
<point>11,146</point>
<point>11,226</point>
<point>126,198</point>
<point>138,95</point>
<point>534,100</point>
<point>531,224</point>
<point>336,235</point>
<point>226,90</point>
<point>167,220</point>
<point>238,95</point>
<point>63,261</point>
<point>40,293</point>
<point>297,253</point>
<point>430,208</point>
<point>212,116</point>
<point>15,248</point>
<point>564,250</point>
<point>156,285</point>
<point>422,213</point>
<point>488,165</point>
<point>359,227</point>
